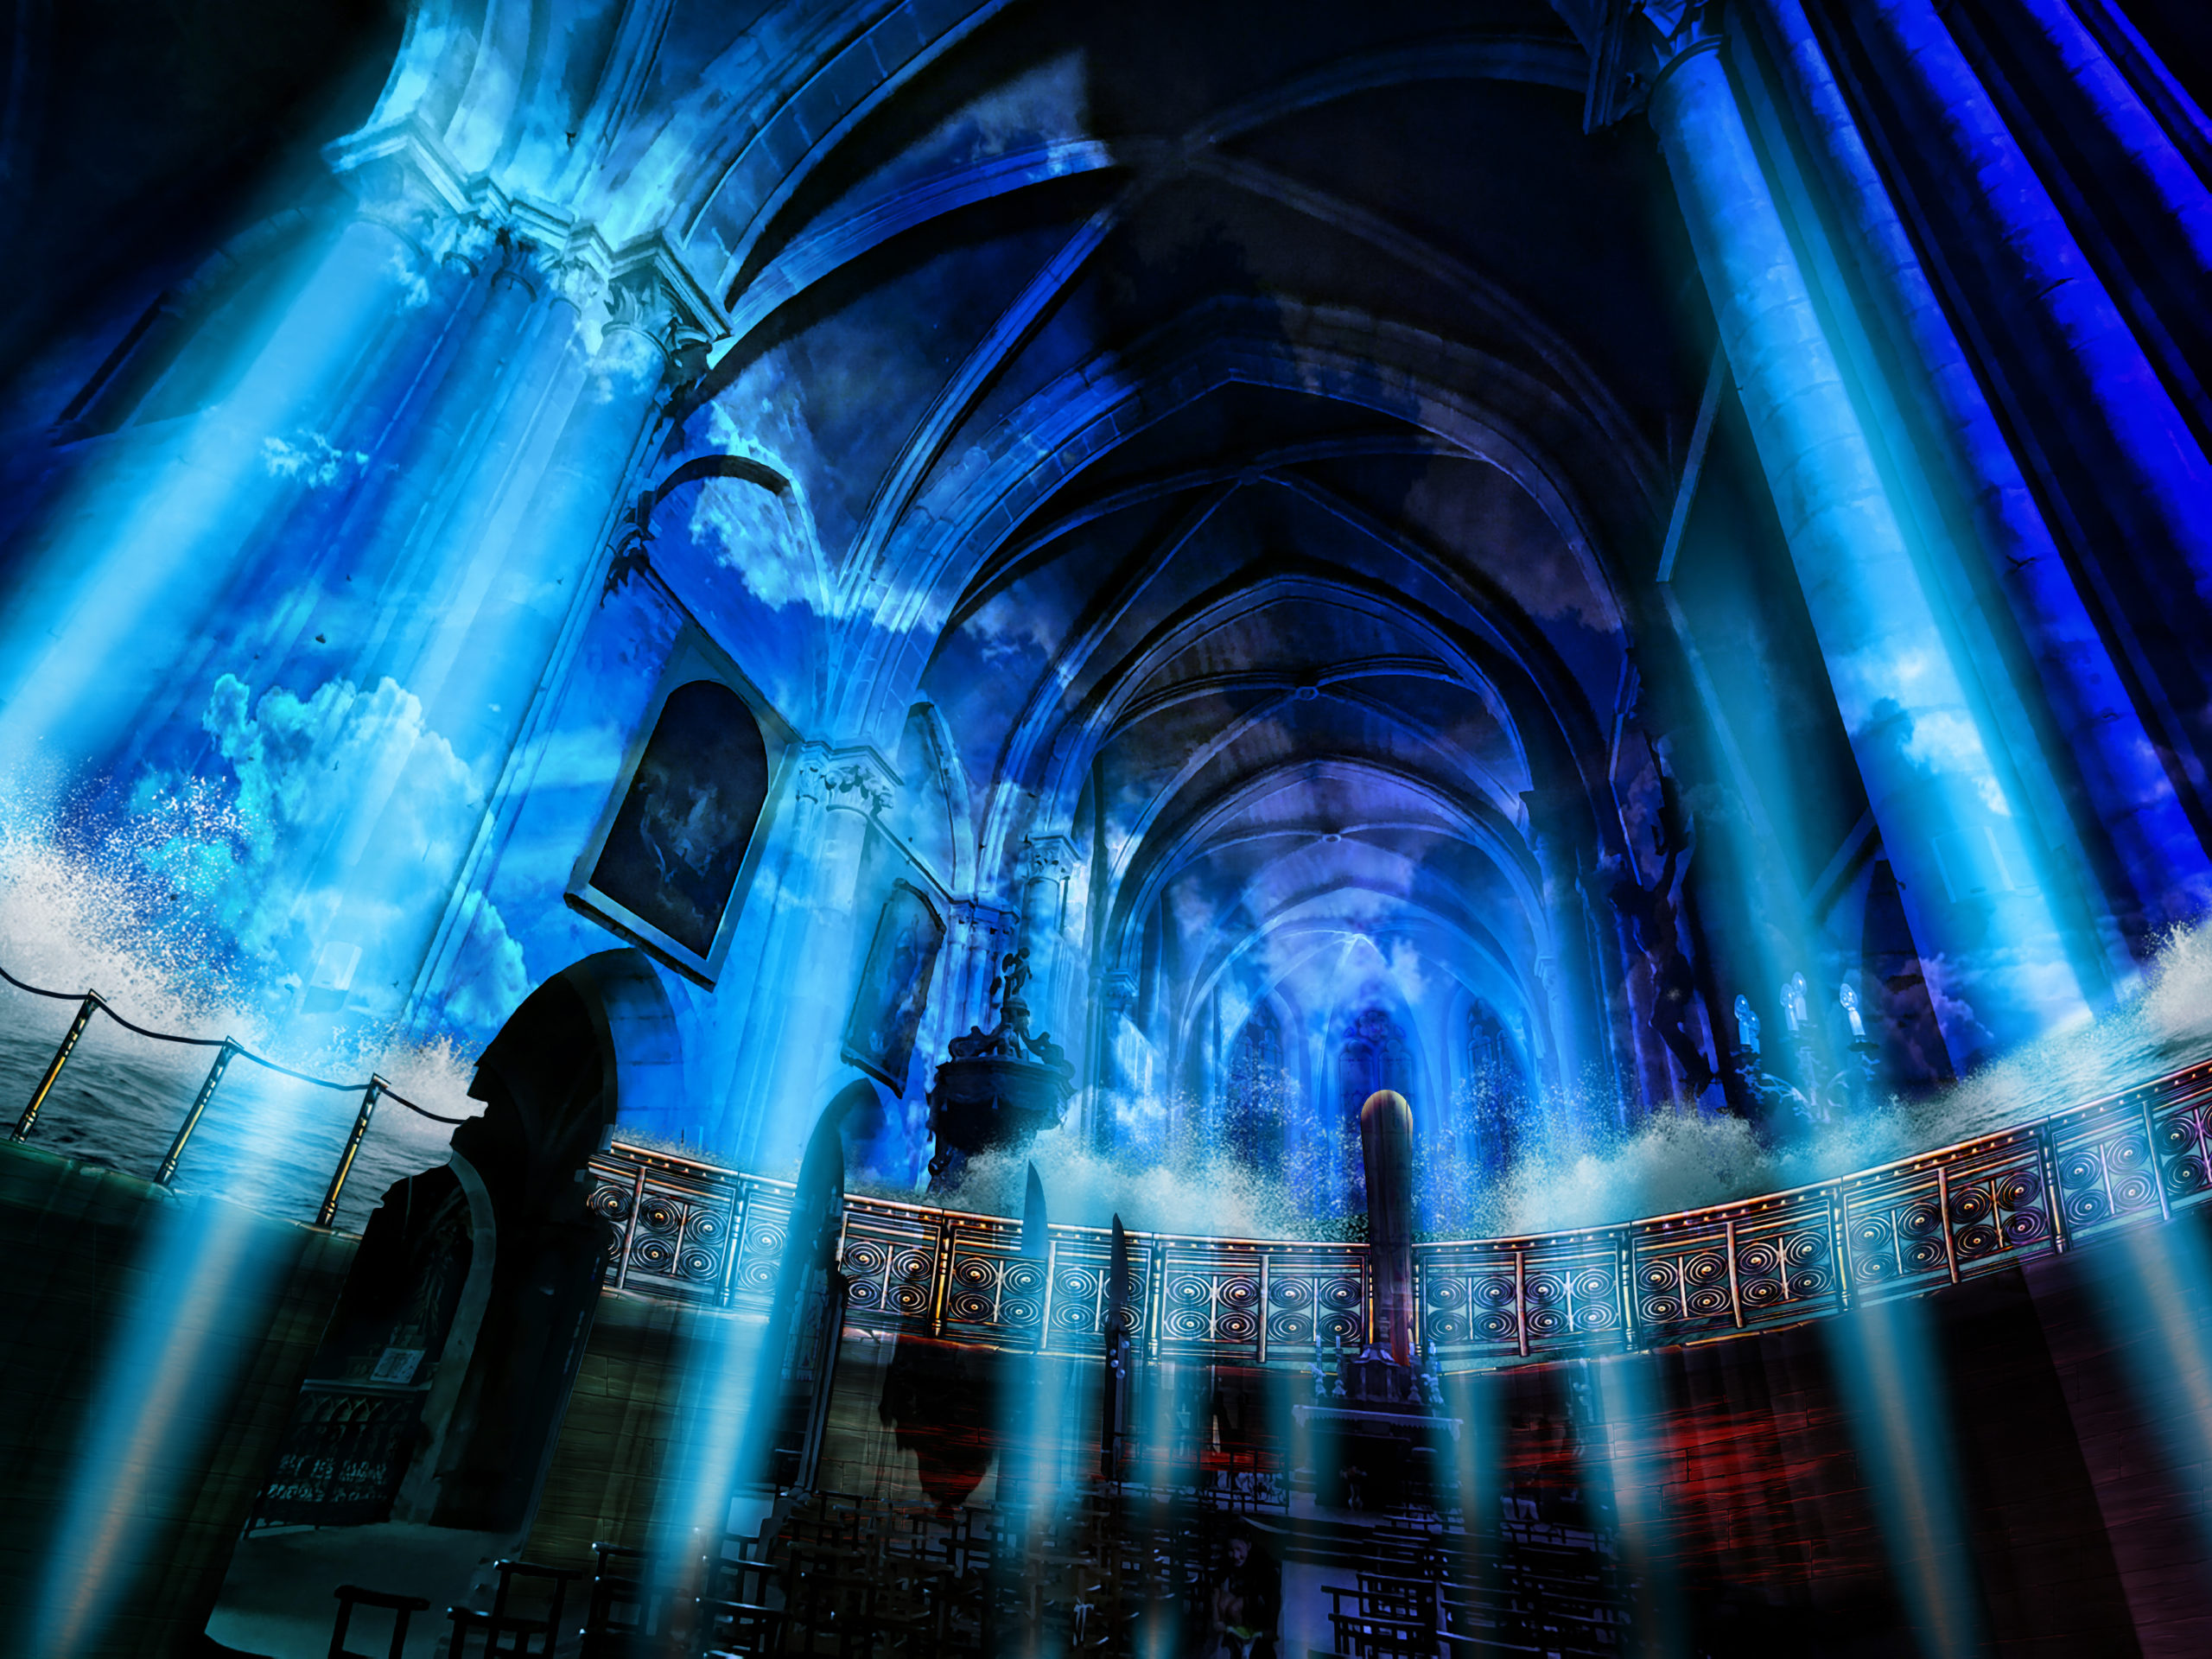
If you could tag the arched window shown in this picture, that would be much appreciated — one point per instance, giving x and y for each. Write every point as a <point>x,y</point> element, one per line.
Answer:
<point>1252,1114</point>
<point>1374,1056</point>
<point>1497,1091</point>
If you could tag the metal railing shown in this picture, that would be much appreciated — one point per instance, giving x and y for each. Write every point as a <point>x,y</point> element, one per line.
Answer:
<point>90,1002</point>
<point>691,1230</point>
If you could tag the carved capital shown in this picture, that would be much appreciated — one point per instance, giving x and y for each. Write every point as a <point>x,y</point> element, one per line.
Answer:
<point>577,278</point>
<point>637,301</point>
<point>471,242</point>
<point>985,923</point>
<point>1048,858</point>
<point>811,773</point>
<point>1679,27</point>
<point>401,179</point>
<point>652,289</point>
<point>858,780</point>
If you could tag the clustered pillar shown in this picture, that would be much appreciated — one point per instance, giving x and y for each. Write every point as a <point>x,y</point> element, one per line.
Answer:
<point>1951,819</point>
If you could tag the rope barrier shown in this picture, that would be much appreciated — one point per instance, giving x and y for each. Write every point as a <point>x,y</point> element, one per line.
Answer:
<point>93,1000</point>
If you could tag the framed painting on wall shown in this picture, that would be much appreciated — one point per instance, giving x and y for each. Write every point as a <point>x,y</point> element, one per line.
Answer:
<point>668,867</point>
<point>895,988</point>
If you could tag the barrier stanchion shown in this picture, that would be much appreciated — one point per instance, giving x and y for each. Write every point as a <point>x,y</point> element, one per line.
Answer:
<point>162,1176</point>
<point>328,1213</point>
<point>92,1004</point>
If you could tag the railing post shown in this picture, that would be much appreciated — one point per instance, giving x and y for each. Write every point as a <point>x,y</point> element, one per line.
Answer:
<point>1416,1312</point>
<point>328,1213</point>
<point>630,1227</point>
<point>1943,1216</point>
<point>1625,1257</point>
<point>2150,1149</point>
<point>162,1176</point>
<point>1735,1293</point>
<point>1267,1285</point>
<point>85,1010</point>
<point>2049,1163</point>
<point>740,1202</point>
<point>1839,1241</point>
<point>1156,1295</point>
<point>941,1281</point>
<point>1521,1299</point>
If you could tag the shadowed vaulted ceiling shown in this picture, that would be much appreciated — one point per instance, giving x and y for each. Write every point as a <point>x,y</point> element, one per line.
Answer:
<point>1235,423</point>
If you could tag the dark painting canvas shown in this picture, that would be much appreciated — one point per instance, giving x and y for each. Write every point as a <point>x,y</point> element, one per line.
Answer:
<point>673,857</point>
<point>894,987</point>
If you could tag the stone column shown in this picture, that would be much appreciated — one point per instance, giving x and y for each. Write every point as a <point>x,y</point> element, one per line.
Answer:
<point>1116,998</point>
<point>803,989</point>
<point>2152,167</point>
<point>516,601</point>
<point>2154,478</point>
<point>1578,1032</point>
<point>485,646</point>
<point>1048,861</point>
<point>2115,755</point>
<point>1988,935</point>
<point>445,461</point>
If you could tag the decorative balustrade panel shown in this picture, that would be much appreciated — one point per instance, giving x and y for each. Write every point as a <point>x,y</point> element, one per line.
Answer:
<point>1316,1296</point>
<point>891,1260</point>
<point>993,1293</point>
<point>1770,1261</point>
<point>1083,1269</point>
<point>1561,1294</point>
<point>688,1230</point>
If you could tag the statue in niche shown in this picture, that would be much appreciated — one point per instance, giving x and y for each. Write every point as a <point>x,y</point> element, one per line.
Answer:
<point>1649,913</point>
<point>895,987</point>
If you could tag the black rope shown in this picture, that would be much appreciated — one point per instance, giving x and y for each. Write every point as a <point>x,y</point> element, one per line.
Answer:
<point>240,1049</point>
<point>59,997</point>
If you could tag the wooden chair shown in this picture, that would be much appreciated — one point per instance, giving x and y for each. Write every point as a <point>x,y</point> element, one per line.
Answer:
<point>505,1631</point>
<point>616,1617</point>
<point>402,1609</point>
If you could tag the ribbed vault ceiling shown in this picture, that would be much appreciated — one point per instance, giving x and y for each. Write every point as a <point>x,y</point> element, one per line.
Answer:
<point>1234,422</point>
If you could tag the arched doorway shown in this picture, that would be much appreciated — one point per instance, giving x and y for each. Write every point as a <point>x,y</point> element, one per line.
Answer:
<point>466,1313</point>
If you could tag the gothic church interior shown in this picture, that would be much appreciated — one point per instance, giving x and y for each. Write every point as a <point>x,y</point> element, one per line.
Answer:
<point>979,827</point>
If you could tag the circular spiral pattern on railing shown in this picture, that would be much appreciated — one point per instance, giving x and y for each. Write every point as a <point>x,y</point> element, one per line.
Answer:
<point>863,1267</point>
<point>1660,1301</point>
<point>970,1307</point>
<point>2018,1188</point>
<point>1969,1204</point>
<point>1340,1327</point>
<point>1979,1241</point>
<point>652,1253</point>
<point>1597,1302</point>
<point>2181,1142</point>
<point>760,1256</point>
<point>610,1202</point>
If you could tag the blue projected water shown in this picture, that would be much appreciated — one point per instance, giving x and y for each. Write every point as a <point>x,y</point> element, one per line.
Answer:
<point>73,917</point>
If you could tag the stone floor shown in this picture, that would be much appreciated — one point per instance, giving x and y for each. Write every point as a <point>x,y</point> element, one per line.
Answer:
<point>277,1600</point>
